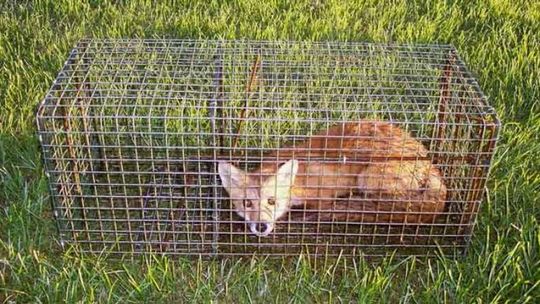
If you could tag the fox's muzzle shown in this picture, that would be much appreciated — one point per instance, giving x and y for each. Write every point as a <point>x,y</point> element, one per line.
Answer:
<point>261,228</point>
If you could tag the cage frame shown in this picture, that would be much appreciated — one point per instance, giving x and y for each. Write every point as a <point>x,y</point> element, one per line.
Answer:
<point>453,65</point>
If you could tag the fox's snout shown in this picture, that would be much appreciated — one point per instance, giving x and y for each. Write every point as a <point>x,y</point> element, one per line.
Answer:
<point>261,221</point>
<point>261,228</point>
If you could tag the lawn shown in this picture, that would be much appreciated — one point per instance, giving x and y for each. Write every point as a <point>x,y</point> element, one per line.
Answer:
<point>500,42</point>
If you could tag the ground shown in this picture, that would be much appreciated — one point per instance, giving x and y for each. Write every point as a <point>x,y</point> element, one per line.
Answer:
<point>499,41</point>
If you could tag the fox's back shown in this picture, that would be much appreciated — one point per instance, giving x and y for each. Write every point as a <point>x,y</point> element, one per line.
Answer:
<point>356,140</point>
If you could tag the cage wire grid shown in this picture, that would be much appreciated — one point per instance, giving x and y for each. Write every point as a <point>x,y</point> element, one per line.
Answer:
<point>132,132</point>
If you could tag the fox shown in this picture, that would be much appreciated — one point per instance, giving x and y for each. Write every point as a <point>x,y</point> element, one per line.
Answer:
<point>363,171</point>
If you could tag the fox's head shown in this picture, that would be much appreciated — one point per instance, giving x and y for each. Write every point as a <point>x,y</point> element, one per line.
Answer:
<point>260,200</point>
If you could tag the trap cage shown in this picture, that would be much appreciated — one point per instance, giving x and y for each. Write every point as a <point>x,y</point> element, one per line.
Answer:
<point>132,132</point>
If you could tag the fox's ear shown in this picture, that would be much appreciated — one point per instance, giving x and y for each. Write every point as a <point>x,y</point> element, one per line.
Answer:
<point>232,178</point>
<point>286,174</point>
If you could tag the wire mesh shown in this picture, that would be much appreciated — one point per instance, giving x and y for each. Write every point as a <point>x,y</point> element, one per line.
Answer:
<point>177,146</point>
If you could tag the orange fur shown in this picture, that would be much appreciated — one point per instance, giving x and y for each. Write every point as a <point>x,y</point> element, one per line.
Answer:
<point>376,170</point>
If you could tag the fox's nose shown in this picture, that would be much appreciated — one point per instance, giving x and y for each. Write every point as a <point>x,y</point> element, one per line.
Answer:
<point>261,228</point>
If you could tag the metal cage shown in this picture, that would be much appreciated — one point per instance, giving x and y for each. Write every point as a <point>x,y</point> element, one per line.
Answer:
<point>133,132</point>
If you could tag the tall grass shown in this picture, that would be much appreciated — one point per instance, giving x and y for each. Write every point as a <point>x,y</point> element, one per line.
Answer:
<point>498,40</point>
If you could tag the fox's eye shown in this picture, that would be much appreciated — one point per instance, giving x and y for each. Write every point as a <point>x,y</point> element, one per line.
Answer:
<point>248,204</point>
<point>271,201</point>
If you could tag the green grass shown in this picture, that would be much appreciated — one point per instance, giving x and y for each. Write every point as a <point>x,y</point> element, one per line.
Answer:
<point>497,39</point>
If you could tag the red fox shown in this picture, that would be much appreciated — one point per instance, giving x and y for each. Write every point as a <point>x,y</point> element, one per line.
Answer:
<point>382,172</point>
